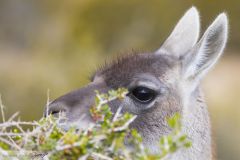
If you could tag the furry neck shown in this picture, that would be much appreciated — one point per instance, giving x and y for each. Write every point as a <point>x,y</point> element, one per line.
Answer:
<point>196,124</point>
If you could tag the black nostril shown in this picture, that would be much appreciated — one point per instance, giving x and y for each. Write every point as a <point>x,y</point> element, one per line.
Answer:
<point>55,109</point>
<point>55,112</point>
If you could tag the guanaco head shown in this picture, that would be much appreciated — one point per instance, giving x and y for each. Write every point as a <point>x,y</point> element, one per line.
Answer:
<point>160,83</point>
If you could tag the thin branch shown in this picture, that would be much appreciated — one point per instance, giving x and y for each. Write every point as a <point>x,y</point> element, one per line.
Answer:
<point>100,156</point>
<point>14,143</point>
<point>48,102</point>
<point>13,117</point>
<point>8,143</point>
<point>117,113</point>
<point>2,109</point>
<point>14,123</point>
<point>125,126</point>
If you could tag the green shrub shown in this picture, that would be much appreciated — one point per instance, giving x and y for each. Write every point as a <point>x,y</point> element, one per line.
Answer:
<point>106,139</point>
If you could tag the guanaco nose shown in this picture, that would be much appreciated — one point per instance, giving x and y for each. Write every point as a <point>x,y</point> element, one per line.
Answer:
<point>75,103</point>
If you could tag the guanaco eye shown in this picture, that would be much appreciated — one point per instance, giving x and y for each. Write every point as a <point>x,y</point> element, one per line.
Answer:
<point>143,94</point>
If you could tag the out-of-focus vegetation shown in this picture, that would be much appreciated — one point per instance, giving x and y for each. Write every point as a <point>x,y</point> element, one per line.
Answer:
<point>56,45</point>
<point>104,140</point>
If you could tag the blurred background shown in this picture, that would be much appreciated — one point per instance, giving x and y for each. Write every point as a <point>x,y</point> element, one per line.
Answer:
<point>56,45</point>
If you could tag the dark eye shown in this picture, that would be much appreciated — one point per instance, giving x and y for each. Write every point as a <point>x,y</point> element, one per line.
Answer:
<point>143,94</point>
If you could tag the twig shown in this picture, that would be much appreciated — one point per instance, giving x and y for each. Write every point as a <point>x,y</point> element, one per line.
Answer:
<point>48,101</point>
<point>125,126</point>
<point>100,156</point>
<point>14,123</point>
<point>13,142</point>
<point>13,117</point>
<point>2,109</point>
<point>117,113</point>
<point>8,143</point>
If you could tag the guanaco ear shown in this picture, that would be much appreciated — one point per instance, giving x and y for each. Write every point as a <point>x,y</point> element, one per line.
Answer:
<point>184,36</point>
<point>208,50</point>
